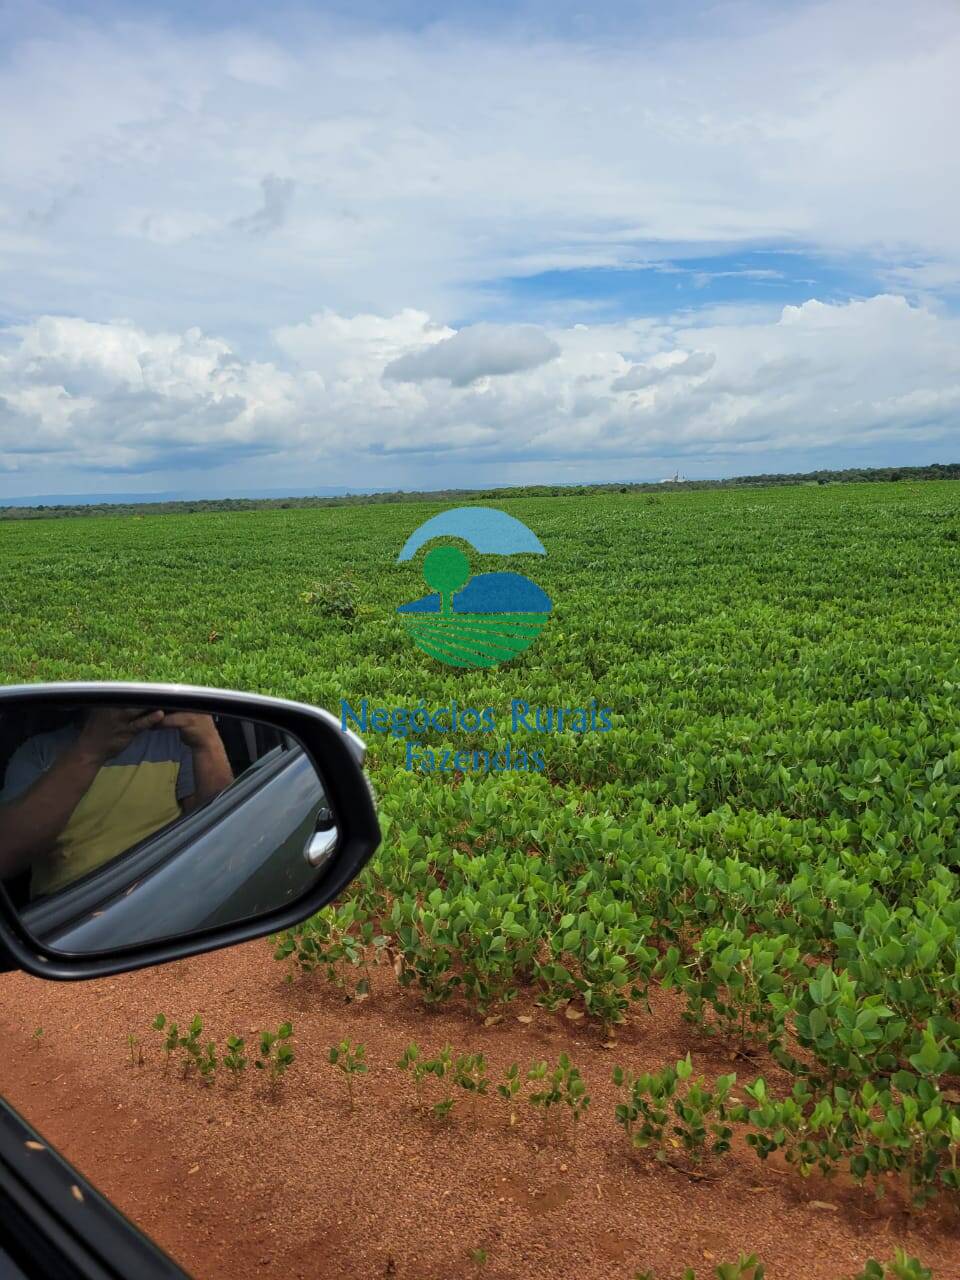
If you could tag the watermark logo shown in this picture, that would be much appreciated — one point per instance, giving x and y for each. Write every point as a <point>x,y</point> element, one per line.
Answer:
<point>474,620</point>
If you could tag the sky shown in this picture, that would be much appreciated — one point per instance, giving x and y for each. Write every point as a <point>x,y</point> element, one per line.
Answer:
<point>411,245</point>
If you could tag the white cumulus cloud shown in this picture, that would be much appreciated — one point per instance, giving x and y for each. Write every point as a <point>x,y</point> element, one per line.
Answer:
<point>119,397</point>
<point>479,351</point>
<point>680,364</point>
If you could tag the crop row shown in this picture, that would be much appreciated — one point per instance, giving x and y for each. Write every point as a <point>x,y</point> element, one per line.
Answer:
<point>202,1058</point>
<point>908,1129</point>
<point>819,960</point>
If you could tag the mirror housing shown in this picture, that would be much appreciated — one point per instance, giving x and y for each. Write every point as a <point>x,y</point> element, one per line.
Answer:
<point>347,832</point>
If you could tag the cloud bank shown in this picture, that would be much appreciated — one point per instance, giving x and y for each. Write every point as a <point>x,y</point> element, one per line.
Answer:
<point>116,397</point>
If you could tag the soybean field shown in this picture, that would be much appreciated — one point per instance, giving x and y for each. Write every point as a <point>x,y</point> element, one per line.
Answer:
<point>768,830</point>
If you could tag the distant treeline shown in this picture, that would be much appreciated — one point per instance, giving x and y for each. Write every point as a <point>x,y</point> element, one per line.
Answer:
<point>854,475</point>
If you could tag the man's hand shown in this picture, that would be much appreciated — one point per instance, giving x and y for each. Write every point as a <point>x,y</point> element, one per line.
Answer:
<point>211,768</point>
<point>109,729</point>
<point>196,730</point>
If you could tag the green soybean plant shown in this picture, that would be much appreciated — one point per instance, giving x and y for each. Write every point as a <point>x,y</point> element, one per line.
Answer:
<point>469,1073</point>
<point>207,1062</point>
<point>441,1067</point>
<point>303,946</point>
<point>852,1037</point>
<point>509,1089</point>
<point>411,1061</point>
<point>655,1110</point>
<point>352,939</point>
<point>234,1059</point>
<point>734,975</point>
<point>900,1267</point>
<point>575,1097</point>
<point>545,1097</point>
<point>171,1036</point>
<point>198,1056</point>
<point>188,1043</point>
<point>328,940</point>
<point>275,1053</point>
<point>498,935</point>
<point>913,1133</point>
<point>598,956</point>
<point>561,1084</point>
<point>350,1059</point>
<point>428,946</point>
<point>747,1267</point>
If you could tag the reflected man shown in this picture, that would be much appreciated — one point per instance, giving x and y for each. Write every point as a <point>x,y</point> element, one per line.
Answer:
<point>79,796</point>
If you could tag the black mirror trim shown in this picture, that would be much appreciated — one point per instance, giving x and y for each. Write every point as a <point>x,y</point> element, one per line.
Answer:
<point>336,754</point>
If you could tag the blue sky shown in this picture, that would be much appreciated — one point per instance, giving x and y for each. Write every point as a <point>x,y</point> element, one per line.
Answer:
<point>766,277</point>
<point>421,245</point>
<point>566,19</point>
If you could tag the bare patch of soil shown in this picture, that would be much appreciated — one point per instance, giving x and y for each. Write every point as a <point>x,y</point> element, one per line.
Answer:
<point>297,1186</point>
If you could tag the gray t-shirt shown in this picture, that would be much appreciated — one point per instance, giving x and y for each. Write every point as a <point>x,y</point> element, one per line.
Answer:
<point>152,746</point>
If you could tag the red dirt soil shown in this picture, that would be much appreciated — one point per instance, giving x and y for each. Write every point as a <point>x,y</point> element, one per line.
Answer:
<point>231,1181</point>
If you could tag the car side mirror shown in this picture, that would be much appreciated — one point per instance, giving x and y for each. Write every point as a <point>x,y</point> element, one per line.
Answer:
<point>141,823</point>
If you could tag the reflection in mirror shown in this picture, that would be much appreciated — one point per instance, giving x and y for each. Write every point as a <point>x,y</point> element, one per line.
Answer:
<point>121,825</point>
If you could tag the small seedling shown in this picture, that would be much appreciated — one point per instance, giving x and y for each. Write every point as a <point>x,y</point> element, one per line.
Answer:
<point>207,1062</point>
<point>469,1074</point>
<point>351,1060</point>
<point>189,1043</point>
<point>171,1036</point>
<point>197,1056</point>
<point>509,1090</point>
<point>234,1059</point>
<point>276,1054</point>
<point>699,1113</point>
<point>563,1084</point>
<point>136,1050</point>
<point>37,1036</point>
<point>441,1066</point>
<point>900,1267</point>
<point>411,1061</point>
<point>477,1256</point>
<point>745,1268</point>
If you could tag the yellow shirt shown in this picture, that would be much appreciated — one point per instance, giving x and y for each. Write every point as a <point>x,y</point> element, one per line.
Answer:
<point>124,805</point>
<point>133,795</point>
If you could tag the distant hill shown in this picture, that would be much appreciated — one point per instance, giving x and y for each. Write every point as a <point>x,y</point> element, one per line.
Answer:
<point>59,505</point>
<point>172,495</point>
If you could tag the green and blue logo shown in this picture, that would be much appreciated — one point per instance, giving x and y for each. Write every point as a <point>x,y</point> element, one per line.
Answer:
<point>474,620</point>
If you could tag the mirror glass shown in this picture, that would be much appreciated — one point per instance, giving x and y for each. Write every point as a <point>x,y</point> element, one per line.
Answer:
<point>121,825</point>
